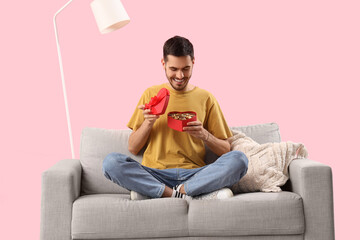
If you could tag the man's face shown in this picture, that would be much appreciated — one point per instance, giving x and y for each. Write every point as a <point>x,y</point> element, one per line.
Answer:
<point>178,71</point>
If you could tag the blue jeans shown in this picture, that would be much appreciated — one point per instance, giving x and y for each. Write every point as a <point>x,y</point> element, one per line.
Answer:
<point>130,174</point>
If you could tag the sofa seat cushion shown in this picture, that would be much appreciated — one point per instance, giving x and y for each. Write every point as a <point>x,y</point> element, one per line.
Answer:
<point>102,216</point>
<point>248,214</point>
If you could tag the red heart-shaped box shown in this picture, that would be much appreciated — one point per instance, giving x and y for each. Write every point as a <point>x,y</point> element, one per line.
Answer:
<point>158,103</point>
<point>178,124</point>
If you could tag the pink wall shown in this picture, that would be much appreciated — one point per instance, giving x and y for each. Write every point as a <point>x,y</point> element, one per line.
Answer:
<point>294,63</point>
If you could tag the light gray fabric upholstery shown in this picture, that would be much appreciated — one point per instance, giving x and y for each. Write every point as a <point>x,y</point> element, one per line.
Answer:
<point>248,214</point>
<point>60,187</point>
<point>102,216</point>
<point>264,237</point>
<point>261,133</point>
<point>96,143</point>
<point>313,182</point>
<point>304,213</point>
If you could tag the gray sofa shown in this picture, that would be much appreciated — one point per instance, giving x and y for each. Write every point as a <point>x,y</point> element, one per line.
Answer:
<point>78,202</point>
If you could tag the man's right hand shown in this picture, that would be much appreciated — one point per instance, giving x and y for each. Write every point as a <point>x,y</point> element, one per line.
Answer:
<point>149,118</point>
<point>138,138</point>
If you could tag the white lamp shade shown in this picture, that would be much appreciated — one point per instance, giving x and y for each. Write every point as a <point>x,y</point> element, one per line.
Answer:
<point>110,15</point>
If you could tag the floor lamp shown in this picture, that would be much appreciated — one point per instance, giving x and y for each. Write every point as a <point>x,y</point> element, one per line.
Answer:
<point>110,15</point>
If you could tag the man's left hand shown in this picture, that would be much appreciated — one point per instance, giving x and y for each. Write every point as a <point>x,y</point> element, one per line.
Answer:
<point>197,130</point>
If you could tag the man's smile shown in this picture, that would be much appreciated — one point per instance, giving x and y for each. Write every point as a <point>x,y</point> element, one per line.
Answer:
<point>179,80</point>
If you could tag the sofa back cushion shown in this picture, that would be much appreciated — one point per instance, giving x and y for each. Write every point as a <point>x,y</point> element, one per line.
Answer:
<point>96,143</point>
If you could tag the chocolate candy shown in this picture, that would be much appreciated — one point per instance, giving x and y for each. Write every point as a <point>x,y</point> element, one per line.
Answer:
<point>182,116</point>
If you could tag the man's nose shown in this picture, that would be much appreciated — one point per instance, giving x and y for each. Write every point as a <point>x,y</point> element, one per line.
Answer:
<point>180,75</point>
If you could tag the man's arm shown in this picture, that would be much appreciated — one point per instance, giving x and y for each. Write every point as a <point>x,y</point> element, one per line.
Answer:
<point>218,146</point>
<point>138,138</point>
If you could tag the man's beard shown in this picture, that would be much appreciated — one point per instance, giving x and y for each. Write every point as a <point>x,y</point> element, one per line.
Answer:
<point>176,86</point>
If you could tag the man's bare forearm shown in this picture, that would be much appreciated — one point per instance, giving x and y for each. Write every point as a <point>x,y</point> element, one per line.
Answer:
<point>138,138</point>
<point>218,146</point>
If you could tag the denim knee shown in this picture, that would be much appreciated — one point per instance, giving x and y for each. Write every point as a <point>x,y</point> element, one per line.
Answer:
<point>240,161</point>
<point>111,162</point>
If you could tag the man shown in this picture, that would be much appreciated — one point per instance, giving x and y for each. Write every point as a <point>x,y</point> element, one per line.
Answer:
<point>173,162</point>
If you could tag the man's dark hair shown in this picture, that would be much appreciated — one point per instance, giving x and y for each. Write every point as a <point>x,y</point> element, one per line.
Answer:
<point>178,46</point>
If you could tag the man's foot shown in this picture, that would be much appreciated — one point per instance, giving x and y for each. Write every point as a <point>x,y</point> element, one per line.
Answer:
<point>223,193</point>
<point>137,196</point>
<point>177,194</point>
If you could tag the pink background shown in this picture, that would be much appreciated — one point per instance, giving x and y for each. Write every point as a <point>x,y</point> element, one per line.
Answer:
<point>291,62</point>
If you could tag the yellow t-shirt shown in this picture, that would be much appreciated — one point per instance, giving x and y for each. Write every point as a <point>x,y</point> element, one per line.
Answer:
<point>168,148</point>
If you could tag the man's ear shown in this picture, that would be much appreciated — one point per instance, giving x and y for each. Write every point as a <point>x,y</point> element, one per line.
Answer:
<point>193,61</point>
<point>163,62</point>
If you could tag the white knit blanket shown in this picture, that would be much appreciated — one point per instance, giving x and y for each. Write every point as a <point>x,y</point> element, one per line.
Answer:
<point>268,163</point>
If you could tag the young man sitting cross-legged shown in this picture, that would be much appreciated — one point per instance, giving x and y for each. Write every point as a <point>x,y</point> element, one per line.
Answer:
<point>173,162</point>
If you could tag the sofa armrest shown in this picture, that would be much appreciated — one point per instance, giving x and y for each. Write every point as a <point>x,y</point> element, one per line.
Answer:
<point>313,182</point>
<point>60,187</point>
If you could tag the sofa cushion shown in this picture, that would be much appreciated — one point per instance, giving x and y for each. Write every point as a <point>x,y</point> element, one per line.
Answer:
<point>96,143</point>
<point>115,216</point>
<point>261,133</point>
<point>248,214</point>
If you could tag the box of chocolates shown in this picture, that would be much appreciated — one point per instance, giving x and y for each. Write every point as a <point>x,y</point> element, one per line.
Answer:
<point>178,120</point>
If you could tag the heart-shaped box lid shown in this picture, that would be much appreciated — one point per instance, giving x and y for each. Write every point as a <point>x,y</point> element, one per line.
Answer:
<point>159,103</point>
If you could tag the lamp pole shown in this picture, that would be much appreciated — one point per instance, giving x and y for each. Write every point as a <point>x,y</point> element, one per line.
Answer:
<point>110,15</point>
<point>62,79</point>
